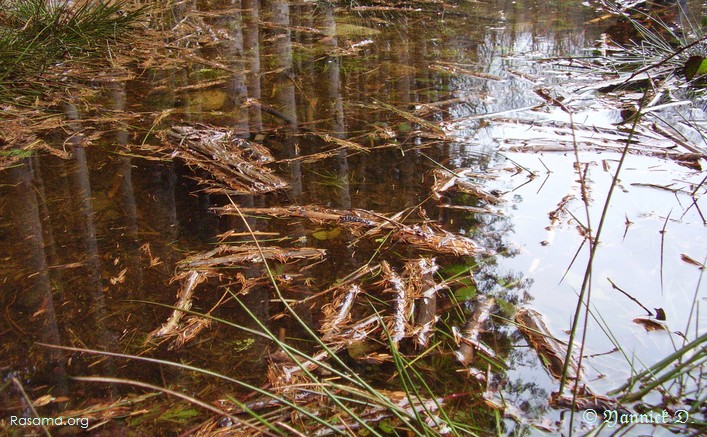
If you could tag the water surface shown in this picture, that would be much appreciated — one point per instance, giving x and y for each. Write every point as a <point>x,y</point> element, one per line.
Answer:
<point>84,239</point>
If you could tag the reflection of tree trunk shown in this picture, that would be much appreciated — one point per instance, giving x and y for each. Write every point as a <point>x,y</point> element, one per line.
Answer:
<point>36,299</point>
<point>127,194</point>
<point>404,91</point>
<point>284,92</point>
<point>251,43</point>
<point>93,282</point>
<point>343,199</point>
<point>285,88</point>
<point>236,89</point>
<point>402,55</point>
<point>48,234</point>
<point>28,228</point>
<point>283,61</point>
<point>82,184</point>
<point>158,181</point>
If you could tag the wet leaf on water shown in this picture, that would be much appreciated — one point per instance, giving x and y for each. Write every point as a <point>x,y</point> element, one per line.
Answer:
<point>692,261</point>
<point>324,234</point>
<point>242,345</point>
<point>660,314</point>
<point>465,293</point>
<point>404,127</point>
<point>649,324</point>
<point>689,160</point>
<point>695,66</point>
<point>387,426</point>
<point>43,400</point>
<point>359,349</point>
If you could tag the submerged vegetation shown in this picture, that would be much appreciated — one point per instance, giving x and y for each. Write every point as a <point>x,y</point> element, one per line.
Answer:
<point>349,280</point>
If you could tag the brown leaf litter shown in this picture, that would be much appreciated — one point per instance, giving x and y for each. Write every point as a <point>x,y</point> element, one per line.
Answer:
<point>363,223</point>
<point>552,353</point>
<point>235,164</point>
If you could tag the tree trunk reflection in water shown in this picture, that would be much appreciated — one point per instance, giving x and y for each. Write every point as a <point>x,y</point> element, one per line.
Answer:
<point>35,301</point>
<point>251,47</point>
<point>404,90</point>
<point>336,101</point>
<point>284,87</point>
<point>82,195</point>
<point>158,195</point>
<point>233,53</point>
<point>129,205</point>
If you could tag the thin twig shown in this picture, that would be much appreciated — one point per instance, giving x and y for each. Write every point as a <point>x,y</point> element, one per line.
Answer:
<point>662,247</point>
<point>616,287</point>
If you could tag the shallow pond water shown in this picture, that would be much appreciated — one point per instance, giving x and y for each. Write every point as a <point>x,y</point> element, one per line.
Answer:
<point>87,241</point>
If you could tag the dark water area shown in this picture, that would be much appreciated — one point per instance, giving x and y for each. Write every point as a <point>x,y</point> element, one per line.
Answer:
<point>85,242</point>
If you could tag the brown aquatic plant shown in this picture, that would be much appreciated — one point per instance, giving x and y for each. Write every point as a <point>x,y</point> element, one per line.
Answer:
<point>553,352</point>
<point>368,224</point>
<point>469,338</point>
<point>236,165</point>
<point>338,311</point>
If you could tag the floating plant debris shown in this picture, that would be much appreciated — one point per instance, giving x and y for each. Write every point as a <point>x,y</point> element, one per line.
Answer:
<point>398,318</point>
<point>650,324</point>
<point>237,165</point>
<point>552,353</point>
<point>229,255</point>
<point>460,180</point>
<point>338,312</point>
<point>469,339</point>
<point>197,268</point>
<point>428,236</point>
<point>189,282</point>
